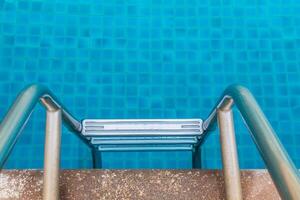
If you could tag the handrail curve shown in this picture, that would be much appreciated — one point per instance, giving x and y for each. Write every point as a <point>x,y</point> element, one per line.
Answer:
<point>281,168</point>
<point>20,111</point>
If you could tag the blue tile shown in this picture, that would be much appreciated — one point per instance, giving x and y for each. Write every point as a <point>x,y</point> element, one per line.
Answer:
<point>151,59</point>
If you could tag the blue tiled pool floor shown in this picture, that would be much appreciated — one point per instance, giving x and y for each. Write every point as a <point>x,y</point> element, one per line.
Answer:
<point>151,59</point>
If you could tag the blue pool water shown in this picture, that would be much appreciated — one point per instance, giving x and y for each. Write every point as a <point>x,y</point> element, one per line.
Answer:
<point>151,59</point>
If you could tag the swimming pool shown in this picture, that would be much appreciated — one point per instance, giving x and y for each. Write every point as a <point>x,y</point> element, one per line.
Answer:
<point>151,59</point>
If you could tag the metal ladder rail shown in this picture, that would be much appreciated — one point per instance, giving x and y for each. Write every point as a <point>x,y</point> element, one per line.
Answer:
<point>17,117</point>
<point>281,168</point>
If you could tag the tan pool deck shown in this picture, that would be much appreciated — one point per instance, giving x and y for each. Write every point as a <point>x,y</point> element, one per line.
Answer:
<point>136,184</point>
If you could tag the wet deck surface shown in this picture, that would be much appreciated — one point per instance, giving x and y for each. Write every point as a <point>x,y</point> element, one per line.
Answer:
<point>135,184</point>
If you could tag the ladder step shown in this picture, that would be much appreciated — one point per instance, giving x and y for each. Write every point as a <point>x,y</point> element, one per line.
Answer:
<point>97,127</point>
<point>99,141</point>
<point>146,148</point>
<point>143,134</point>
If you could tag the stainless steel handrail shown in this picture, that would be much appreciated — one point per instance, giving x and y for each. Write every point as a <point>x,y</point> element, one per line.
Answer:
<point>281,168</point>
<point>16,119</point>
<point>283,172</point>
<point>231,169</point>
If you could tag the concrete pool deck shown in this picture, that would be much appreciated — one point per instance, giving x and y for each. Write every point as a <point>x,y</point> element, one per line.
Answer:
<point>136,184</point>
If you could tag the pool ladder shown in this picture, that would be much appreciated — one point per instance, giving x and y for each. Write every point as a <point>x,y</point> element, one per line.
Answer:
<point>154,134</point>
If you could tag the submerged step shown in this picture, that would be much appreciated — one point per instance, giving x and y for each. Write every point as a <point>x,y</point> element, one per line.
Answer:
<point>142,127</point>
<point>136,184</point>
